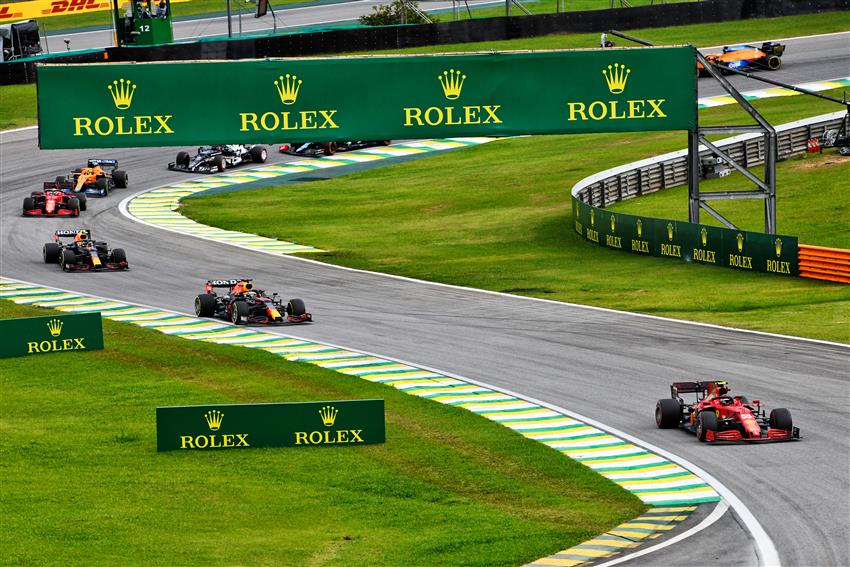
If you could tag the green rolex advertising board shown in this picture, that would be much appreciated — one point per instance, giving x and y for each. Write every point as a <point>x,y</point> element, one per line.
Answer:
<point>245,426</point>
<point>366,98</point>
<point>56,333</point>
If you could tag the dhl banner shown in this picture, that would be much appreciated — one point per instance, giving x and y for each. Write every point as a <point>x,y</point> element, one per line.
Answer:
<point>37,9</point>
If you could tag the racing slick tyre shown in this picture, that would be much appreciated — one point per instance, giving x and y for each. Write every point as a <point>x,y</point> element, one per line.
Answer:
<point>52,251</point>
<point>68,260</point>
<point>706,421</point>
<point>219,164</point>
<point>258,154</point>
<point>183,159</point>
<point>102,186</point>
<point>119,178</point>
<point>29,204</point>
<point>81,197</point>
<point>844,150</point>
<point>74,205</point>
<point>295,308</point>
<point>238,312</point>
<point>205,305</point>
<point>780,418</point>
<point>60,179</point>
<point>330,148</point>
<point>118,255</point>
<point>668,413</point>
<point>774,63</point>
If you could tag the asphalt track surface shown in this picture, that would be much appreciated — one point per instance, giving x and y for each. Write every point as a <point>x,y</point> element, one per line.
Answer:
<point>608,366</point>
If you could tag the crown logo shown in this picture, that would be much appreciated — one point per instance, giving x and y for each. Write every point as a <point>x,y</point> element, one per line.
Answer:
<point>613,223</point>
<point>287,88</point>
<point>592,218</point>
<point>452,81</point>
<point>616,77</point>
<point>670,231</point>
<point>328,414</point>
<point>777,246</point>
<point>122,93</point>
<point>55,327</point>
<point>214,418</point>
<point>639,224</point>
<point>703,235</point>
<point>740,239</point>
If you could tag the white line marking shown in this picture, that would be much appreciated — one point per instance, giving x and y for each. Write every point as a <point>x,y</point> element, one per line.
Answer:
<point>18,129</point>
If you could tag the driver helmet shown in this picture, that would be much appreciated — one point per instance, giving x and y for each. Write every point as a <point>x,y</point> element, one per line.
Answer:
<point>721,388</point>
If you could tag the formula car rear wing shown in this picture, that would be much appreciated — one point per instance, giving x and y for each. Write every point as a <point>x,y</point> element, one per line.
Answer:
<point>677,388</point>
<point>96,162</point>
<point>54,186</point>
<point>226,283</point>
<point>69,233</point>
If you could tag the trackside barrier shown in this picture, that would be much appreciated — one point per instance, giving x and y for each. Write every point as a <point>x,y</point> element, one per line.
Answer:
<point>752,251</point>
<point>822,263</point>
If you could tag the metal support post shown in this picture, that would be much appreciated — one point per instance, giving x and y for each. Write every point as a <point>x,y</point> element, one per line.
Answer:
<point>693,176</point>
<point>229,22</point>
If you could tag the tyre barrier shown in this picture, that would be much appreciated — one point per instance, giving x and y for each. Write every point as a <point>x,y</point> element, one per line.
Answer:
<point>821,263</point>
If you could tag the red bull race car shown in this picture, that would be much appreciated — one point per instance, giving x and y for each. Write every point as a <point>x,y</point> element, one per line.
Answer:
<point>717,416</point>
<point>243,303</point>
<point>317,149</point>
<point>83,253</point>
<point>747,57</point>
<point>98,178</point>
<point>54,201</point>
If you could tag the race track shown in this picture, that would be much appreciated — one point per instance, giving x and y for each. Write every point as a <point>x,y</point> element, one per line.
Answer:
<point>608,366</point>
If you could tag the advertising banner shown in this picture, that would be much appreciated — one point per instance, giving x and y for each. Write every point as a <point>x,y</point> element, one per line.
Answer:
<point>56,333</point>
<point>243,426</point>
<point>37,9</point>
<point>366,98</point>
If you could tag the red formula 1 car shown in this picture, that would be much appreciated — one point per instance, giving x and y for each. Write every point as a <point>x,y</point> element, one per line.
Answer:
<point>53,201</point>
<point>716,416</point>
<point>83,253</point>
<point>245,304</point>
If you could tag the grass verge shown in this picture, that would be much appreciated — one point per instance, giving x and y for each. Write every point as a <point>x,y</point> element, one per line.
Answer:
<point>83,483</point>
<point>497,217</point>
<point>17,106</point>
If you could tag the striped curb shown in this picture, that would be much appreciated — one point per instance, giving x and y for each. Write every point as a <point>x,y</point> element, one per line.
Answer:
<point>159,206</point>
<point>722,100</point>
<point>630,534</point>
<point>650,477</point>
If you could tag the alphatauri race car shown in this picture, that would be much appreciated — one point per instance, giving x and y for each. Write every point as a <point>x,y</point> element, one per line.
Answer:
<point>83,253</point>
<point>716,416</point>
<point>747,57</point>
<point>54,201</point>
<point>316,149</point>
<point>244,304</point>
<point>98,178</point>
<point>212,159</point>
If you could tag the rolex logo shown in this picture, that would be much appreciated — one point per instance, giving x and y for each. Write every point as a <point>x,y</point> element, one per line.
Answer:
<point>287,88</point>
<point>703,235</point>
<point>214,418</point>
<point>452,81</point>
<point>670,231</point>
<point>740,239</point>
<point>613,223</point>
<point>616,77</point>
<point>328,414</point>
<point>122,93</point>
<point>55,327</point>
<point>639,225</point>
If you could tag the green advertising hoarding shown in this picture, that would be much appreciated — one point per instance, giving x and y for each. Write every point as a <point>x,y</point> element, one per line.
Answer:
<point>56,333</point>
<point>296,424</point>
<point>701,244</point>
<point>366,98</point>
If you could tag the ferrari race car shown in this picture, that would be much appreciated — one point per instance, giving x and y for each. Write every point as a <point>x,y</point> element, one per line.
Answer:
<point>716,416</point>
<point>98,178</point>
<point>747,57</point>
<point>316,149</point>
<point>244,304</point>
<point>54,202</point>
<point>83,253</point>
<point>210,159</point>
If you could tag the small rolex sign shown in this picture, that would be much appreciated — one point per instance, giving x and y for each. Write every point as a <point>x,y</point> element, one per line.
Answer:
<point>245,426</point>
<point>57,333</point>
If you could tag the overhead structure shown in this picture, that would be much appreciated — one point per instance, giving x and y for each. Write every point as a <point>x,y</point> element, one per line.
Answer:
<point>142,22</point>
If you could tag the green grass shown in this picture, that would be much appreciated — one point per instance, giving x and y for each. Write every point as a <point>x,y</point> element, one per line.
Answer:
<point>543,7</point>
<point>17,106</point>
<point>84,485</point>
<point>497,217</point>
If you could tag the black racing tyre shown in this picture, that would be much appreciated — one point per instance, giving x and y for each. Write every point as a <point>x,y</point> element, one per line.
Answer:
<point>668,413</point>
<point>118,255</point>
<point>780,418</point>
<point>774,62</point>
<point>706,421</point>
<point>51,253</point>
<point>81,197</point>
<point>239,312</point>
<point>295,308</point>
<point>205,305</point>
<point>844,150</point>
<point>60,179</point>
<point>102,185</point>
<point>29,204</point>
<point>120,178</point>
<point>68,259</point>
<point>74,205</point>
<point>258,154</point>
<point>330,148</point>
<point>219,163</point>
<point>183,159</point>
